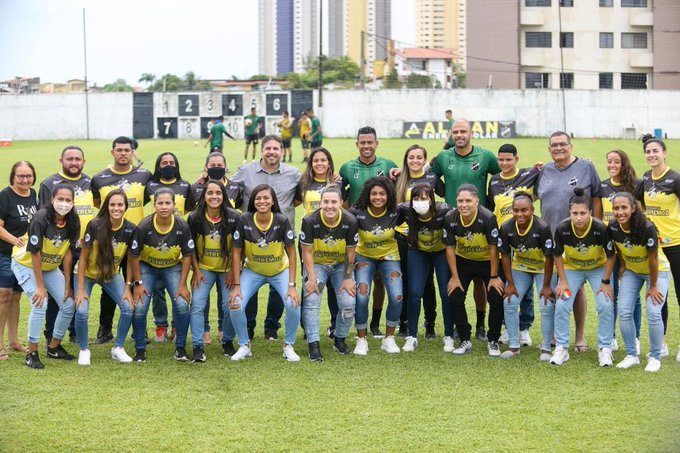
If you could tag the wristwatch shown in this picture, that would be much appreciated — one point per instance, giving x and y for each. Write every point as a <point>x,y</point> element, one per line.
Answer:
<point>138,282</point>
<point>292,285</point>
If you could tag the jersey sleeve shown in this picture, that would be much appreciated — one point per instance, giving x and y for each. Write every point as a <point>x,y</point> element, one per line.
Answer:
<point>437,168</point>
<point>491,230</point>
<point>188,245</point>
<point>75,232</point>
<point>344,184</point>
<point>235,194</point>
<point>4,211</point>
<point>289,234</point>
<point>192,221</point>
<point>595,182</point>
<point>94,187</point>
<point>190,202</point>
<point>546,241</point>
<point>306,236</point>
<point>504,242</point>
<point>558,248</point>
<point>137,244</point>
<point>493,168</point>
<point>352,234</point>
<point>44,196</point>
<point>651,237</point>
<point>237,239</point>
<point>447,234</point>
<point>35,233</point>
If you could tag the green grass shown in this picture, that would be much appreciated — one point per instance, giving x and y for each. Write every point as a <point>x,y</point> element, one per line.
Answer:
<point>424,401</point>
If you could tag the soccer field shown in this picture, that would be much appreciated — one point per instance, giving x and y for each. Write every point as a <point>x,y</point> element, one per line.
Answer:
<point>422,401</point>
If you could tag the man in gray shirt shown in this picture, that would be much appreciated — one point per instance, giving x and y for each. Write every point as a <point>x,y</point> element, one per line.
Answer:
<point>285,181</point>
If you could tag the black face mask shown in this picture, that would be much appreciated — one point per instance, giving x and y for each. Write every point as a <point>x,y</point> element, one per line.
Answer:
<point>216,173</point>
<point>168,172</point>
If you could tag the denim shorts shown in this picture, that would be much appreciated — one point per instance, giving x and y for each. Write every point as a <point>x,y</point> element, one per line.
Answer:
<point>7,278</point>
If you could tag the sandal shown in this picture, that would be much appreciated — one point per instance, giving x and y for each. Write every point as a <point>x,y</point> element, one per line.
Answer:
<point>18,348</point>
<point>3,355</point>
<point>581,348</point>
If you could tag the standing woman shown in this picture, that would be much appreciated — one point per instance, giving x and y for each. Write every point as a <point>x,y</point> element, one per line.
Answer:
<point>377,250</point>
<point>265,238</point>
<point>109,239</point>
<point>412,173</point>
<point>661,196</point>
<point>212,225</point>
<point>165,253</point>
<point>52,233</point>
<point>583,252</point>
<point>18,205</point>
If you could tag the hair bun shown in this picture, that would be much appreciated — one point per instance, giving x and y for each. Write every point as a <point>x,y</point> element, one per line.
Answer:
<point>578,191</point>
<point>646,137</point>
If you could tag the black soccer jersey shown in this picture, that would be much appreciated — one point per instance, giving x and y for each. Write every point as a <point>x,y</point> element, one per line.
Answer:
<point>330,242</point>
<point>429,178</point>
<point>502,191</point>
<point>472,241</point>
<point>264,250</point>
<point>312,197</point>
<point>83,201</point>
<point>528,249</point>
<point>51,241</point>
<point>207,236</point>
<point>124,237</point>
<point>585,252</point>
<point>234,193</point>
<point>184,198</point>
<point>164,248</point>
<point>376,234</point>
<point>662,202</point>
<point>608,189</point>
<point>132,183</point>
<point>635,252</point>
<point>431,230</point>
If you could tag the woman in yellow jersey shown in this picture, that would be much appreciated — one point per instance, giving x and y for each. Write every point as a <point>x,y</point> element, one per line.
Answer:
<point>212,225</point>
<point>583,252</point>
<point>286,126</point>
<point>51,234</point>
<point>378,216</point>
<point>109,238</point>
<point>412,173</point>
<point>265,239</point>
<point>660,193</point>
<point>636,240</point>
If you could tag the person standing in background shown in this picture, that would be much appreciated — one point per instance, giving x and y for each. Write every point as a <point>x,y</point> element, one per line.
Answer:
<point>286,126</point>
<point>252,132</point>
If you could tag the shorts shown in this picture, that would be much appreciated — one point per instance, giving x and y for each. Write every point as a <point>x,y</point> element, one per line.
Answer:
<point>252,138</point>
<point>7,278</point>
<point>305,143</point>
<point>317,144</point>
<point>216,149</point>
<point>286,143</point>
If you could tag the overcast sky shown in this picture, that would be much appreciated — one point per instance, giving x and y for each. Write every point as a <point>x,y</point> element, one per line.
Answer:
<point>125,38</point>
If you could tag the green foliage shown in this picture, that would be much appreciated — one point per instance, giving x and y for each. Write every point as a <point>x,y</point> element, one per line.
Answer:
<point>172,82</point>
<point>343,72</point>
<point>418,81</point>
<point>117,85</point>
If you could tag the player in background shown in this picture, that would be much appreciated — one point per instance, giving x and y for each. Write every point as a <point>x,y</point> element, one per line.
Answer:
<point>449,130</point>
<point>286,126</point>
<point>215,137</point>
<point>252,132</point>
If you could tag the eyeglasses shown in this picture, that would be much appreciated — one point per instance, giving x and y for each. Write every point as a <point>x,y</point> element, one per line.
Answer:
<point>23,176</point>
<point>560,145</point>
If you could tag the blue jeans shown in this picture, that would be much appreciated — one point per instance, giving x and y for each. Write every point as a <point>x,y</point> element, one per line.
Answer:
<point>637,312</point>
<point>170,278</point>
<point>159,306</point>
<point>274,311</point>
<point>420,265</point>
<point>250,283</point>
<point>199,302</point>
<point>364,270</point>
<point>312,302</point>
<point>547,310</point>
<point>605,308</point>
<point>524,283</point>
<point>631,283</point>
<point>56,287</point>
<point>220,312</point>
<point>115,289</point>
<point>526,309</point>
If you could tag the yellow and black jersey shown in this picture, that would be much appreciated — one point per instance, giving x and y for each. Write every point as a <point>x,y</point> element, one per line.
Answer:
<point>311,199</point>
<point>376,234</point>
<point>330,242</point>
<point>125,237</point>
<point>502,191</point>
<point>163,248</point>
<point>430,230</point>
<point>132,182</point>
<point>426,177</point>
<point>528,249</point>
<point>472,240</point>
<point>264,250</point>
<point>661,197</point>
<point>234,193</point>
<point>83,201</point>
<point>634,252</point>
<point>207,235</point>
<point>608,189</point>
<point>184,197</point>
<point>51,241</point>
<point>585,252</point>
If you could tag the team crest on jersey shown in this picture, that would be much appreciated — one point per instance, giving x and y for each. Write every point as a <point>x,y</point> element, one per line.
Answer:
<point>163,247</point>
<point>521,249</point>
<point>329,241</point>
<point>290,235</point>
<point>469,236</point>
<point>262,243</point>
<point>57,241</point>
<point>114,243</point>
<point>215,235</point>
<point>573,181</point>
<point>378,231</point>
<point>237,235</point>
<point>627,245</point>
<point>475,166</point>
<point>125,185</point>
<point>650,242</point>
<point>582,248</point>
<point>549,244</point>
<point>652,192</point>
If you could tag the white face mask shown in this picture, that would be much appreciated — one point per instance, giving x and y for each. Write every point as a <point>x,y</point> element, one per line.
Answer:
<point>421,206</point>
<point>62,207</point>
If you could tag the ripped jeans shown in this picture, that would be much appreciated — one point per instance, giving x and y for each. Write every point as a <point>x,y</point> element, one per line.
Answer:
<point>364,270</point>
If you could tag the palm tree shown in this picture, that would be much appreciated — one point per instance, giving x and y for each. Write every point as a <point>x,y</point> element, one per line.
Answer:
<point>147,78</point>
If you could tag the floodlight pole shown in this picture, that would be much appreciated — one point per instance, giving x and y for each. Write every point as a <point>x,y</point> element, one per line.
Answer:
<point>87,100</point>
<point>320,53</point>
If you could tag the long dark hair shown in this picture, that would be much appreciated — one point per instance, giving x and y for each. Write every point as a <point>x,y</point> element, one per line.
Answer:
<point>202,208</point>
<point>627,175</point>
<point>104,237</point>
<point>157,169</point>
<point>364,200</point>
<point>414,222</point>
<point>72,219</point>
<point>405,178</point>
<point>308,175</point>
<point>251,202</point>
<point>638,219</point>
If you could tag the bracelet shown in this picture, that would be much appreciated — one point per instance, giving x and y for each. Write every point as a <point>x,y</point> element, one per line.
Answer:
<point>493,276</point>
<point>237,284</point>
<point>606,281</point>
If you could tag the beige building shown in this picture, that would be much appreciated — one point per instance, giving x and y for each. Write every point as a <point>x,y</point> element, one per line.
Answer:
<point>440,24</point>
<point>603,44</point>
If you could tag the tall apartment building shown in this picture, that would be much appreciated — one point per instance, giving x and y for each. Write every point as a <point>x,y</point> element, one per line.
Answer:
<point>288,35</point>
<point>594,44</point>
<point>440,24</point>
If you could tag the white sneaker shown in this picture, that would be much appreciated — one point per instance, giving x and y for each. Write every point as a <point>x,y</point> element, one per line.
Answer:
<point>614,345</point>
<point>628,361</point>
<point>545,356</point>
<point>637,346</point>
<point>389,345</point>
<point>119,355</point>
<point>245,161</point>
<point>504,337</point>
<point>464,348</point>
<point>362,347</point>
<point>242,353</point>
<point>605,357</point>
<point>560,356</point>
<point>525,338</point>
<point>653,365</point>
<point>448,345</point>
<point>509,354</point>
<point>410,345</point>
<point>84,357</point>
<point>494,350</point>
<point>664,351</point>
<point>290,354</point>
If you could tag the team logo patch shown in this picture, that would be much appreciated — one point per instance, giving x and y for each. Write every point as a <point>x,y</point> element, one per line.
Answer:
<point>500,242</point>
<point>650,242</point>
<point>87,237</point>
<point>290,234</point>
<point>475,166</point>
<point>237,235</point>
<point>34,240</point>
<point>573,181</point>
<point>134,244</point>
<point>302,235</point>
<point>380,173</point>
<point>190,243</point>
<point>549,244</point>
<point>610,246</point>
<point>494,233</point>
<point>356,237</point>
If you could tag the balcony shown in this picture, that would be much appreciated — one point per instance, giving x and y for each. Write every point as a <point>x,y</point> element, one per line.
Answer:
<point>531,18</point>
<point>642,20</point>
<point>642,60</point>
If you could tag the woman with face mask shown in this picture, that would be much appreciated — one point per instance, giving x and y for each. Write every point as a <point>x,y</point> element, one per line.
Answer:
<point>52,233</point>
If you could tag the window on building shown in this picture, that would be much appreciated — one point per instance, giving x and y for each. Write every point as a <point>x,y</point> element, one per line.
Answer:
<point>606,3</point>
<point>606,40</point>
<point>567,80</point>
<point>633,81</point>
<point>538,39</point>
<point>606,80</point>
<point>567,39</point>
<point>566,3</point>
<point>538,2</point>
<point>633,3</point>
<point>633,40</point>
<point>537,79</point>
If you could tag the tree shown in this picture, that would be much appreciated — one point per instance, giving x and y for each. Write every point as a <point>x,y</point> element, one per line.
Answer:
<point>392,81</point>
<point>169,82</point>
<point>342,72</point>
<point>418,81</point>
<point>117,85</point>
<point>189,81</point>
<point>147,78</point>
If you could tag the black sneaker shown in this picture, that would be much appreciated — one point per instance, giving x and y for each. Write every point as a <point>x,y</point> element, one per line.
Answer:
<point>181,354</point>
<point>331,332</point>
<point>375,331</point>
<point>33,361</point>
<point>59,353</point>
<point>228,348</point>
<point>104,335</point>
<point>429,332</point>
<point>198,355</point>
<point>271,335</point>
<point>315,352</point>
<point>251,333</point>
<point>480,333</point>
<point>403,330</point>
<point>140,356</point>
<point>340,346</point>
<point>72,337</point>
